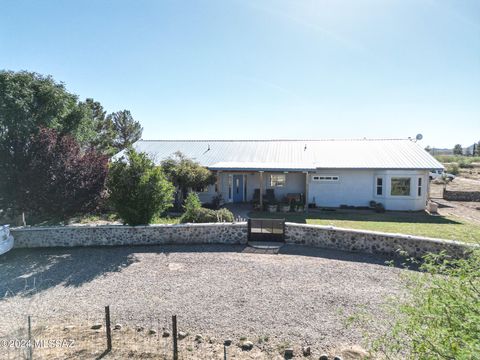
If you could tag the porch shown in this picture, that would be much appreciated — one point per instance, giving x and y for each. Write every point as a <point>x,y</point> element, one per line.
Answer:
<point>263,187</point>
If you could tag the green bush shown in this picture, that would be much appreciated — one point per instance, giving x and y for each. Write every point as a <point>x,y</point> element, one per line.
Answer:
<point>195,213</point>
<point>453,169</point>
<point>440,319</point>
<point>457,158</point>
<point>225,215</point>
<point>138,189</point>
<point>465,165</point>
<point>191,207</point>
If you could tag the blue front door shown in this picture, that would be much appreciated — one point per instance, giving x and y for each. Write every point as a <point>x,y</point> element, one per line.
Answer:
<point>237,188</point>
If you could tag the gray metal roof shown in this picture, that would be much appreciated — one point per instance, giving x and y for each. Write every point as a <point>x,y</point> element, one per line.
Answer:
<point>295,154</point>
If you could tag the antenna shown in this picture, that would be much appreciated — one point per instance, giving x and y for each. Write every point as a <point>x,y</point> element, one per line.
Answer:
<point>418,137</point>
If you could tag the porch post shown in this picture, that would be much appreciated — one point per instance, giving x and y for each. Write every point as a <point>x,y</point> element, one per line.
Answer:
<point>219,190</point>
<point>306,191</point>
<point>261,190</point>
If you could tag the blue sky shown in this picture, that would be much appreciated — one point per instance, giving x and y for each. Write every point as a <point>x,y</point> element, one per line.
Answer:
<point>253,69</point>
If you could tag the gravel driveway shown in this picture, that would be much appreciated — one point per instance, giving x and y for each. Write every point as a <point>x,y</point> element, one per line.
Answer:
<point>301,295</point>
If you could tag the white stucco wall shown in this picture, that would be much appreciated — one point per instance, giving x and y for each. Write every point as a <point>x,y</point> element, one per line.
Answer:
<point>358,188</point>
<point>354,187</point>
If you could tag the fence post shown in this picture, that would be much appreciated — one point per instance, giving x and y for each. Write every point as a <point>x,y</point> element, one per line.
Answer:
<point>108,328</point>
<point>224,352</point>
<point>30,345</point>
<point>174,334</point>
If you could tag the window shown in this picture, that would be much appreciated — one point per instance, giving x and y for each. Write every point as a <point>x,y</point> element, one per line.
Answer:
<point>277,180</point>
<point>379,186</point>
<point>419,187</point>
<point>325,178</point>
<point>230,183</point>
<point>202,189</point>
<point>400,186</point>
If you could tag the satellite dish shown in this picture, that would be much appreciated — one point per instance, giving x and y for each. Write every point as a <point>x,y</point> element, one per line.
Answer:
<point>419,137</point>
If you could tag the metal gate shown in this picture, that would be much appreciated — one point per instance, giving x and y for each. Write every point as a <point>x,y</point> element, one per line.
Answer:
<point>266,230</point>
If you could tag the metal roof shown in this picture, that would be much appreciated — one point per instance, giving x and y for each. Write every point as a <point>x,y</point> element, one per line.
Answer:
<point>295,154</point>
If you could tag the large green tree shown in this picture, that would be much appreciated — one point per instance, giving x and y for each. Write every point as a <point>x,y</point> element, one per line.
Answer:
<point>29,102</point>
<point>458,150</point>
<point>186,175</point>
<point>126,130</point>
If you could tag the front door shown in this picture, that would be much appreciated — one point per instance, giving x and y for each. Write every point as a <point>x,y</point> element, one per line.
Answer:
<point>237,188</point>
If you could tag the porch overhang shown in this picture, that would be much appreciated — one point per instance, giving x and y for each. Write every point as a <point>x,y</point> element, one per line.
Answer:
<point>259,166</point>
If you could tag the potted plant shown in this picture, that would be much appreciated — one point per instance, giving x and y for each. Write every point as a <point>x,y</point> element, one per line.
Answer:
<point>284,207</point>
<point>299,207</point>
<point>256,206</point>
<point>272,207</point>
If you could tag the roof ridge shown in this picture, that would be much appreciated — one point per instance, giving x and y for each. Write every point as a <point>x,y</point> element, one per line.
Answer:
<point>273,140</point>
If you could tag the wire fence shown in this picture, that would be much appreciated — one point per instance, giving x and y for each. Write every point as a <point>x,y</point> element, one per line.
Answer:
<point>97,335</point>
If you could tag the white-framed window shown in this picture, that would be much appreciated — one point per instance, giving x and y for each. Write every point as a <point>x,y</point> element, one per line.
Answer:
<point>379,186</point>
<point>400,186</point>
<point>419,186</point>
<point>278,180</point>
<point>325,178</point>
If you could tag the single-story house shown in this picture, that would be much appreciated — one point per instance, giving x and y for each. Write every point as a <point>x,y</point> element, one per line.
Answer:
<point>327,173</point>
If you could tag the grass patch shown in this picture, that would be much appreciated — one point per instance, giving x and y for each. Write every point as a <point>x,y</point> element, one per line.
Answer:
<point>166,220</point>
<point>410,223</point>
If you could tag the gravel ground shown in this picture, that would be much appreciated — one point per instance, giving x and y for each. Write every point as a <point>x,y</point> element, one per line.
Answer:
<point>301,295</point>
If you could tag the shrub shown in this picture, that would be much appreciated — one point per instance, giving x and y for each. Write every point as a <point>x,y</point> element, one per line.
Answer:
<point>453,169</point>
<point>191,207</point>
<point>195,213</point>
<point>138,189</point>
<point>225,215</point>
<point>440,319</point>
<point>465,165</point>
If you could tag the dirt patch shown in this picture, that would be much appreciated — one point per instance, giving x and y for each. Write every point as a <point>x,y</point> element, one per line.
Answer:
<point>299,297</point>
<point>466,210</point>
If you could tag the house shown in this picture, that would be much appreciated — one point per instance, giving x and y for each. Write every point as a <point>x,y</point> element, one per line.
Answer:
<point>327,173</point>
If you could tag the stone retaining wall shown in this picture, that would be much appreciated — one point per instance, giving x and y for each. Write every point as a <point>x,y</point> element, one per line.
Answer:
<point>233,233</point>
<point>461,195</point>
<point>371,241</point>
<point>67,236</point>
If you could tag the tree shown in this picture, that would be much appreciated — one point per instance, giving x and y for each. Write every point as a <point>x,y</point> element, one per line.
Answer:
<point>102,134</point>
<point>126,129</point>
<point>476,149</point>
<point>458,150</point>
<point>138,189</point>
<point>29,102</point>
<point>60,179</point>
<point>186,174</point>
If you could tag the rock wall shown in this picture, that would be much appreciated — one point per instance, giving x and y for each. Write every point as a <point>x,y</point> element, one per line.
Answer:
<point>461,195</point>
<point>370,241</point>
<point>67,236</point>
<point>233,233</point>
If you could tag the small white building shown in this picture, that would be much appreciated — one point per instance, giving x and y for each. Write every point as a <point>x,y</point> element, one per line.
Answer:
<point>327,173</point>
